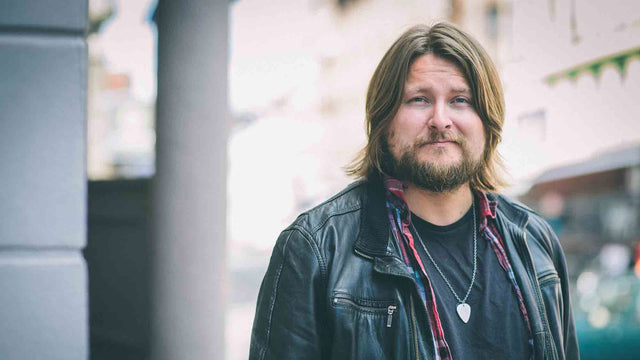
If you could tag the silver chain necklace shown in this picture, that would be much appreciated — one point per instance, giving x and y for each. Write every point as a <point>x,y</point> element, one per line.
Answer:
<point>463,309</point>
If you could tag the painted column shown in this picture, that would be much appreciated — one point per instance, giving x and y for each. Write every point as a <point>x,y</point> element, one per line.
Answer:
<point>189,195</point>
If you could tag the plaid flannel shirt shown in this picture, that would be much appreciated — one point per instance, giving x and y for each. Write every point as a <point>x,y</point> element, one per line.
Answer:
<point>400,219</point>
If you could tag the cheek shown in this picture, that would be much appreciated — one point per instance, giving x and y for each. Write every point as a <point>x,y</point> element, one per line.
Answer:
<point>395,142</point>
<point>394,133</point>
<point>406,117</point>
<point>478,134</point>
<point>481,141</point>
<point>403,127</point>
<point>475,131</point>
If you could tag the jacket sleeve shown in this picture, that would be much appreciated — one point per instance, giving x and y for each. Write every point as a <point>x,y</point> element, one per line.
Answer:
<point>289,319</point>
<point>564,315</point>
<point>569,331</point>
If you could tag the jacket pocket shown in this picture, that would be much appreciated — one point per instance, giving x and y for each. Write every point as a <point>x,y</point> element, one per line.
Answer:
<point>364,328</point>
<point>373,307</point>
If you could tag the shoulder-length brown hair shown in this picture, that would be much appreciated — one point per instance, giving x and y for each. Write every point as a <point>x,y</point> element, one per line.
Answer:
<point>386,90</point>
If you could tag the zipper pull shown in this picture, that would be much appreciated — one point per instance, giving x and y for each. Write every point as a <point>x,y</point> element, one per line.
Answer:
<point>390,311</point>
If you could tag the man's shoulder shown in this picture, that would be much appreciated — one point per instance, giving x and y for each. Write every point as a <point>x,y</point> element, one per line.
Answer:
<point>541,231</point>
<point>511,204</point>
<point>534,218</point>
<point>349,200</point>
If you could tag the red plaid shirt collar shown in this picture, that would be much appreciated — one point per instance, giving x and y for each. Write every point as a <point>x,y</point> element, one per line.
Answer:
<point>487,208</point>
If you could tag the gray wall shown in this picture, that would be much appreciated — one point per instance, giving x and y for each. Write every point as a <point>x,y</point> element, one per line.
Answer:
<point>43,276</point>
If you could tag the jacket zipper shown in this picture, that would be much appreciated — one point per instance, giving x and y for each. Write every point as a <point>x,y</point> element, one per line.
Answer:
<point>389,309</point>
<point>543,315</point>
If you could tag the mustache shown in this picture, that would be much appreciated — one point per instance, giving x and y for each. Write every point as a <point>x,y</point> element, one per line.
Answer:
<point>437,136</point>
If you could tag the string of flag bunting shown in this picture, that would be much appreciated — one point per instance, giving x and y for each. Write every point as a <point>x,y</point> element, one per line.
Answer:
<point>619,60</point>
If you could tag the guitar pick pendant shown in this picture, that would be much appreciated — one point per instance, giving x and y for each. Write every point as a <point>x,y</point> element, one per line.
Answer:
<point>464,312</point>
<point>463,309</point>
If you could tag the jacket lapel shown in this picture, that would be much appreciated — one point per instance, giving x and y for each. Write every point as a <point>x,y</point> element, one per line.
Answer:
<point>376,240</point>
<point>512,224</point>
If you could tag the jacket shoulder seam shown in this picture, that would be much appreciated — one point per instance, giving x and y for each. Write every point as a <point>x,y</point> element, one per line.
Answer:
<point>314,247</point>
<point>545,235</point>
<point>307,237</point>
<point>328,216</point>
<point>273,300</point>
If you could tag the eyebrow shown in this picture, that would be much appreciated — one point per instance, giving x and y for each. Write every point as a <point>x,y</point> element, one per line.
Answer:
<point>462,90</point>
<point>419,89</point>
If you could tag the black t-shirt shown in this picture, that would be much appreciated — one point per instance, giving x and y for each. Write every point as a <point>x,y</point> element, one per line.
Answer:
<point>496,328</point>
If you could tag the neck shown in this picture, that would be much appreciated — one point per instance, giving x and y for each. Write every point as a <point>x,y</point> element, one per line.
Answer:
<point>439,208</point>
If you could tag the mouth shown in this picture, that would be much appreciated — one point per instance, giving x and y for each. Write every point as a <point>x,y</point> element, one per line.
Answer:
<point>441,142</point>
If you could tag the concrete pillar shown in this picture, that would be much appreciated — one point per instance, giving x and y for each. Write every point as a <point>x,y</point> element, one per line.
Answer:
<point>190,184</point>
<point>43,277</point>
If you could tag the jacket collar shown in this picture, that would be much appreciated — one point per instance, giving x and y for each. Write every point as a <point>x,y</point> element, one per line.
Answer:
<point>509,210</point>
<point>375,238</point>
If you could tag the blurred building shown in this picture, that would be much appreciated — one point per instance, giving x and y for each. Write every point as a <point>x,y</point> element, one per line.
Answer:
<point>121,122</point>
<point>572,136</point>
<point>121,129</point>
<point>571,77</point>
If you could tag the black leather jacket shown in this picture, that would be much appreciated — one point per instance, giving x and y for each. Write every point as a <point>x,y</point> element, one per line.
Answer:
<point>337,287</point>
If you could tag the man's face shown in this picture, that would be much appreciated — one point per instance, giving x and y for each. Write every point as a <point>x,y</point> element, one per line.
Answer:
<point>436,139</point>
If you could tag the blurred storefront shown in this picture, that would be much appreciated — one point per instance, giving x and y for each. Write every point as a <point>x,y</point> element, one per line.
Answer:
<point>594,208</point>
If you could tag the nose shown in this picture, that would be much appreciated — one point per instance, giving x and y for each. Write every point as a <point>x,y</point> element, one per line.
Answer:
<point>439,119</point>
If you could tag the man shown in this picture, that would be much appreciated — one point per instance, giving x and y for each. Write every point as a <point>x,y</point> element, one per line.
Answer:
<point>420,259</point>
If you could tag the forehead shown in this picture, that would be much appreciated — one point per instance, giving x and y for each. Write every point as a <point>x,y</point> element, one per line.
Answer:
<point>430,70</point>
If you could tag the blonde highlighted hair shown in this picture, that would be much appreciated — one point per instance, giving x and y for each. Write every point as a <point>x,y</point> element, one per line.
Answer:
<point>386,90</point>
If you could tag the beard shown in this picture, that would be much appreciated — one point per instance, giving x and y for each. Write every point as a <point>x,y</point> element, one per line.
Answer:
<point>428,175</point>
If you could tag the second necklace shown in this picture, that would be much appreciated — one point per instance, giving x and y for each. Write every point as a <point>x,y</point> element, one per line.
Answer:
<point>463,309</point>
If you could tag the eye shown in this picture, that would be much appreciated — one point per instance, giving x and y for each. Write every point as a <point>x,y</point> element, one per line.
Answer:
<point>419,99</point>
<point>461,100</point>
